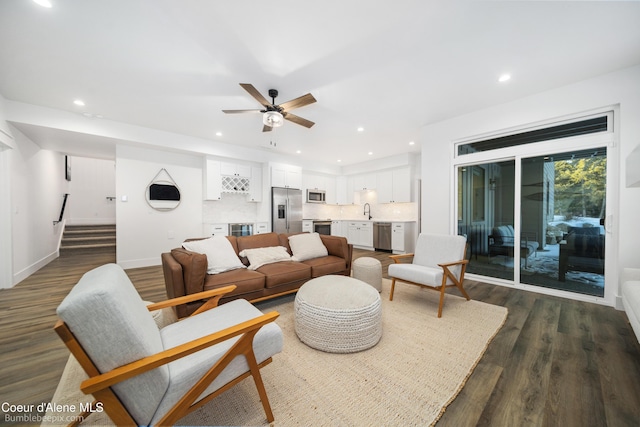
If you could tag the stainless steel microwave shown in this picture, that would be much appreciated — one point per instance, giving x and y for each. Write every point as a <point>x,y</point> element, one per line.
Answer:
<point>316,196</point>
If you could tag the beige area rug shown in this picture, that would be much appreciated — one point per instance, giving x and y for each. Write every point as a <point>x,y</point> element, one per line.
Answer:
<point>408,379</point>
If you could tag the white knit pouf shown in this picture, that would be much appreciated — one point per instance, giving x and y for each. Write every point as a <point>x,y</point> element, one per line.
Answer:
<point>338,314</point>
<point>368,270</point>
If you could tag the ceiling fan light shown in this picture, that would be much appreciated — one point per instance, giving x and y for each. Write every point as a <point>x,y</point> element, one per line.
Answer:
<point>272,119</point>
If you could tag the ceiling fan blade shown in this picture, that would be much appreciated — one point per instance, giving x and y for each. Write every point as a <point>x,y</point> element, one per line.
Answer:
<point>266,128</point>
<point>298,120</point>
<point>254,92</point>
<point>301,101</point>
<point>240,111</point>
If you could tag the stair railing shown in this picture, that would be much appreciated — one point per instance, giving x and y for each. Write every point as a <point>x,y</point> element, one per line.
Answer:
<point>64,203</point>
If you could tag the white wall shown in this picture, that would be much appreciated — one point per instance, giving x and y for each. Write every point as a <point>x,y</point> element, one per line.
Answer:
<point>620,88</point>
<point>92,181</point>
<point>37,190</point>
<point>6,144</point>
<point>144,233</point>
<point>633,168</point>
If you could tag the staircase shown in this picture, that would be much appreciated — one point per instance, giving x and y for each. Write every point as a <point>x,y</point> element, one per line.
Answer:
<point>83,238</point>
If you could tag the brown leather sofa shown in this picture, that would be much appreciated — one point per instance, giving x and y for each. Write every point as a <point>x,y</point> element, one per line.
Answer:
<point>185,271</point>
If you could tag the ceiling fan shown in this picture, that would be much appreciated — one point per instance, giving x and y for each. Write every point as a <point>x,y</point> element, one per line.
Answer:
<point>274,115</point>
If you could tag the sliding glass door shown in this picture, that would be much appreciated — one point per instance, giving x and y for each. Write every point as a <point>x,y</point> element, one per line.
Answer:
<point>485,216</point>
<point>558,239</point>
<point>563,202</point>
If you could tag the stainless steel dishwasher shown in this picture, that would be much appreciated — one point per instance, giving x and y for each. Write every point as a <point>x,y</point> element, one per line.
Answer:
<point>382,236</point>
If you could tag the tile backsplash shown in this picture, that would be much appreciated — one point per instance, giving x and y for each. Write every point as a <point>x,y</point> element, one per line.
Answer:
<point>379,211</point>
<point>234,208</point>
<point>231,208</point>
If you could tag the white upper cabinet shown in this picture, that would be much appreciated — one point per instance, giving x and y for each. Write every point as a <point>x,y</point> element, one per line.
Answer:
<point>330,187</point>
<point>367,181</point>
<point>255,186</point>
<point>385,187</point>
<point>312,181</point>
<point>225,177</point>
<point>286,176</point>
<point>402,185</point>
<point>343,196</point>
<point>233,169</point>
<point>394,186</point>
<point>212,184</point>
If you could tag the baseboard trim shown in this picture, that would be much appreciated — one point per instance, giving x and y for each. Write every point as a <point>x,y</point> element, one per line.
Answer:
<point>139,263</point>
<point>24,273</point>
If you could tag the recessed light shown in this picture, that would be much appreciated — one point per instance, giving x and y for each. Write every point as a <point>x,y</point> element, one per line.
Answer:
<point>505,77</point>
<point>412,143</point>
<point>218,133</point>
<point>360,129</point>
<point>43,3</point>
<point>339,160</point>
<point>370,153</point>
<point>79,102</point>
<point>298,151</point>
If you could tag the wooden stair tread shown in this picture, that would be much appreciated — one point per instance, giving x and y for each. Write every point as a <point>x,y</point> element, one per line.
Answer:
<point>90,230</point>
<point>88,238</point>
<point>88,246</point>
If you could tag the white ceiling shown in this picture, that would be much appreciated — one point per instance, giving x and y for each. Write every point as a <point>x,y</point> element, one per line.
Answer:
<point>390,67</point>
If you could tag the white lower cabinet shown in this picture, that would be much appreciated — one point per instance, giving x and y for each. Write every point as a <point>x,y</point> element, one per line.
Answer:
<point>261,228</point>
<point>360,233</point>
<point>307,226</point>
<point>336,229</point>
<point>216,229</point>
<point>402,237</point>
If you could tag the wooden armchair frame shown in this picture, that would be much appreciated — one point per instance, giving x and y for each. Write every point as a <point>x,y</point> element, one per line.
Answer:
<point>99,385</point>
<point>398,259</point>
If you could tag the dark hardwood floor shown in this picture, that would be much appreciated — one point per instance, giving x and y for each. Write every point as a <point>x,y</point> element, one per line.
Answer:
<point>555,362</point>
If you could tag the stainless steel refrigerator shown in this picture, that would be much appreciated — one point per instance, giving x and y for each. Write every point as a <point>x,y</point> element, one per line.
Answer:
<point>286,213</point>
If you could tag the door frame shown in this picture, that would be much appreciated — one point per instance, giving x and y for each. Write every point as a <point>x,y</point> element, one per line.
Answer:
<point>517,153</point>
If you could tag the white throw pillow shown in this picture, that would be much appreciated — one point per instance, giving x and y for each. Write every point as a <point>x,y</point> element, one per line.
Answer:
<point>220,254</point>
<point>260,256</point>
<point>307,246</point>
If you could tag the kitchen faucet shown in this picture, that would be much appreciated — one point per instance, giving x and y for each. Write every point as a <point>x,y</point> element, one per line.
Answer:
<point>365,210</point>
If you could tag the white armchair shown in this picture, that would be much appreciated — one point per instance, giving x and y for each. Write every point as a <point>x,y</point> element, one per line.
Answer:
<point>631,297</point>
<point>147,376</point>
<point>438,263</point>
